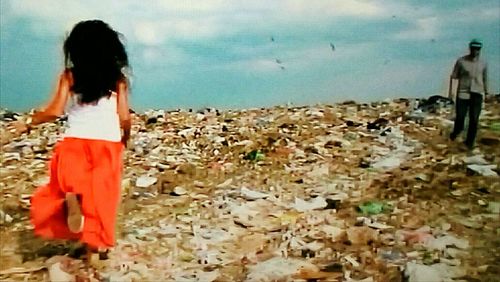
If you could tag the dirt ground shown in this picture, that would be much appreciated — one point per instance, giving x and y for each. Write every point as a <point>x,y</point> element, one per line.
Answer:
<point>279,194</point>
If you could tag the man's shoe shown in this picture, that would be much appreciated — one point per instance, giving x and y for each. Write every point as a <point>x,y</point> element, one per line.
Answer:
<point>469,146</point>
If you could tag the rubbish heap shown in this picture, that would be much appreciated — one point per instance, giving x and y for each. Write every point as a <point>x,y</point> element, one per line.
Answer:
<point>345,192</point>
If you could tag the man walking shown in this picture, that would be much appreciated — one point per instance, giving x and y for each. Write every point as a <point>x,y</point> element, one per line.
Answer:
<point>471,73</point>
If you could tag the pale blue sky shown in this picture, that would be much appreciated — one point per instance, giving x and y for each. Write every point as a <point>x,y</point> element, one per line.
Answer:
<point>219,53</point>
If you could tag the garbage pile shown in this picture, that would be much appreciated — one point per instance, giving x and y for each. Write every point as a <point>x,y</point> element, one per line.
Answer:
<point>346,192</point>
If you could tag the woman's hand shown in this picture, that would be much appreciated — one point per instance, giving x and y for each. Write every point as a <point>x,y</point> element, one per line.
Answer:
<point>124,141</point>
<point>123,111</point>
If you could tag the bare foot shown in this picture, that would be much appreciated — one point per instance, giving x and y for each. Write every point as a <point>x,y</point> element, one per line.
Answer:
<point>75,218</point>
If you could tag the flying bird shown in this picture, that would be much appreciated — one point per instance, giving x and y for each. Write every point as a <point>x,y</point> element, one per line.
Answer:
<point>278,61</point>
<point>272,39</point>
<point>282,67</point>
<point>332,46</point>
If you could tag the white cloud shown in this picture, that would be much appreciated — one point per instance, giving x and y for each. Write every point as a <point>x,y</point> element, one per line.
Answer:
<point>148,33</point>
<point>474,14</point>
<point>334,8</point>
<point>315,53</point>
<point>50,16</point>
<point>485,13</point>
<point>423,28</point>
<point>254,65</point>
<point>156,32</point>
<point>161,23</point>
<point>187,19</point>
<point>196,6</point>
<point>298,60</point>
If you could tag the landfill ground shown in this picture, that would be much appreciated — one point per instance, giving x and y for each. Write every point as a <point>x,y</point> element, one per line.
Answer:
<point>278,194</point>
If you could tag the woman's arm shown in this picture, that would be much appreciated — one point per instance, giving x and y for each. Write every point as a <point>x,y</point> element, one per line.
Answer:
<point>123,111</point>
<point>54,108</point>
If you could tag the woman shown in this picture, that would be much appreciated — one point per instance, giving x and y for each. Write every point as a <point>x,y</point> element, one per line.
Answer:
<point>81,199</point>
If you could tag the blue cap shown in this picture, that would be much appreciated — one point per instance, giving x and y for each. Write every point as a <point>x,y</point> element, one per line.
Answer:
<point>476,43</point>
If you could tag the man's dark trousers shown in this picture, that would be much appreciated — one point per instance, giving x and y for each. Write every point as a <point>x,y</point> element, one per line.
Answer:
<point>473,106</point>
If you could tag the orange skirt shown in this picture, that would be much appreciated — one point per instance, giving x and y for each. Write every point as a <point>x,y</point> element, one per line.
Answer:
<point>92,170</point>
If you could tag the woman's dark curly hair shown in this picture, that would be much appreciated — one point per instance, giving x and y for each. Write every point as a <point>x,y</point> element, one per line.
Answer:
<point>97,59</point>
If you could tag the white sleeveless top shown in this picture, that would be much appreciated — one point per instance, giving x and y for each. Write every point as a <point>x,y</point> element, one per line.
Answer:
<point>98,121</point>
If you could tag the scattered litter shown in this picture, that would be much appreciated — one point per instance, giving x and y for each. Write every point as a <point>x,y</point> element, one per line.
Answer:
<point>5,217</point>
<point>277,268</point>
<point>494,207</point>
<point>484,170</point>
<point>388,163</point>
<point>371,208</point>
<point>57,274</point>
<point>352,261</point>
<point>495,126</point>
<point>20,270</point>
<point>179,191</point>
<point>314,204</point>
<point>145,181</point>
<point>255,155</point>
<point>477,160</point>
<point>441,243</point>
<point>327,192</point>
<point>437,272</point>
<point>252,195</point>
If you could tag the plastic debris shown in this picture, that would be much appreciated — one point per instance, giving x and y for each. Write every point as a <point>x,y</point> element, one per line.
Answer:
<point>484,170</point>
<point>351,192</point>
<point>437,272</point>
<point>252,195</point>
<point>314,204</point>
<point>179,191</point>
<point>495,126</point>
<point>276,269</point>
<point>352,261</point>
<point>5,217</point>
<point>477,160</point>
<point>371,208</point>
<point>494,207</point>
<point>255,155</point>
<point>417,236</point>
<point>435,103</point>
<point>387,163</point>
<point>57,274</point>
<point>441,243</point>
<point>145,181</point>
